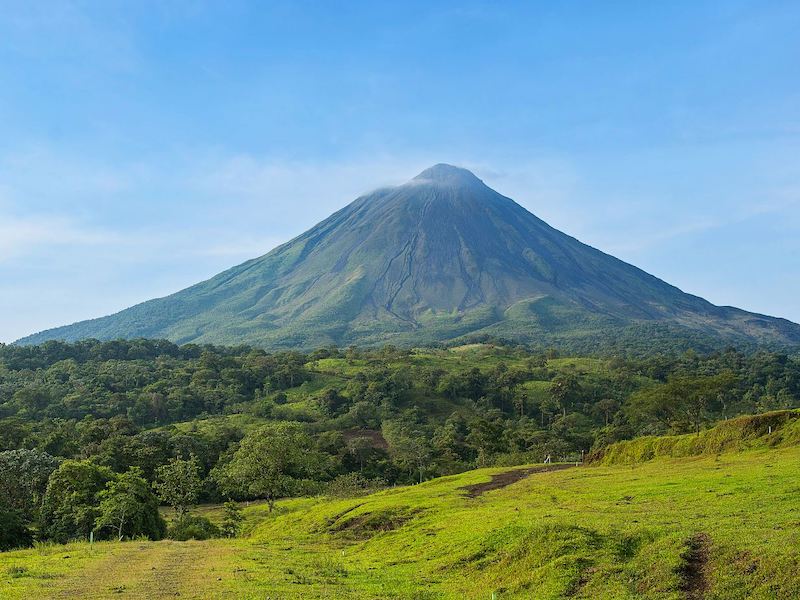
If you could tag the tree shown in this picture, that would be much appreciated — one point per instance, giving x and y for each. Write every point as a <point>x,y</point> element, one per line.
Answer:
<point>605,408</point>
<point>363,414</point>
<point>129,507</point>
<point>13,431</point>
<point>519,401</point>
<point>14,531</point>
<point>178,484</point>
<point>486,434</point>
<point>23,479</point>
<point>564,390</point>
<point>33,398</point>
<point>69,506</point>
<point>360,448</point>
<point>408,446</point>
<point>683,403</point>
<point>450,445</point>
<point>331,402</point>
<point>273,462</point>
<point>703,397</point>
<point>232,520</point>
<point>449,385</point>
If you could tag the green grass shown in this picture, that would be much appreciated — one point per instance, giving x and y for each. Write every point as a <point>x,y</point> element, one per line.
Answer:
<point>721,524</point>
<point>210,424</point>
<point>580,365</point>
<point>770,430</point>
<point>592,532</point>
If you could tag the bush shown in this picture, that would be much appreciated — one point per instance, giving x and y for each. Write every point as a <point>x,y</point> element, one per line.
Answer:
<point>192,527</point>
<point>351,485</point>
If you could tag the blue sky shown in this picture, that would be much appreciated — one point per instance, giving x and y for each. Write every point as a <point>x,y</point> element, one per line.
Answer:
<point>146,146</point>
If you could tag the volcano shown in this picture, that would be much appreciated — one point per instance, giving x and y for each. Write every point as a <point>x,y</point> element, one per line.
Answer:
<point>441,258</point>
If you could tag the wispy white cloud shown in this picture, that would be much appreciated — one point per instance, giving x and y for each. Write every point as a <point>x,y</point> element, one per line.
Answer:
<point>41,175</point>
<point>24,234</point>
<point>286,184</point>
<point>654,235</point>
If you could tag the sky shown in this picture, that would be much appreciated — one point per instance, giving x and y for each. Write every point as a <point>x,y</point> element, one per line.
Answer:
<point>145,146</point>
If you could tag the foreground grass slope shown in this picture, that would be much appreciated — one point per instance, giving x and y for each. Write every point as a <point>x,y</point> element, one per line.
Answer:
<point>716,526</point>
<point>710,527</point>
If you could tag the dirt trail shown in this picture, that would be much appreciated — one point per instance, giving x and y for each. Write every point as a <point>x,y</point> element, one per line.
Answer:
<point>694,571</point>
<point>506,478</point>
<point>151,570</point>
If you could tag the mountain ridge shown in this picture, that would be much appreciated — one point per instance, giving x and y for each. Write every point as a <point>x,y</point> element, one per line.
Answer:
<point>437,258</point>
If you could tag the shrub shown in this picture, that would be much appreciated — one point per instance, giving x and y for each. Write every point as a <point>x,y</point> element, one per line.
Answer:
<point>192,527</point>
<point>353,484</point>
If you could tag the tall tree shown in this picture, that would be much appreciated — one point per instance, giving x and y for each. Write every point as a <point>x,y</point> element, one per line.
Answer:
<point>408,446</point>
<point>232,520</point>
<point>273,462</point>
<point>129,507</point>
<point>178,484</point>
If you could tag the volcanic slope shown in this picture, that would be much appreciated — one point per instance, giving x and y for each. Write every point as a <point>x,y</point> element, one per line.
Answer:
<point>438,258</point>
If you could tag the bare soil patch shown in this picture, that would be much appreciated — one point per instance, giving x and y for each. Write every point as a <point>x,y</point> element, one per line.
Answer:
<point>506,478</point>
<point>695,567</point>
<point>366,525</point>
<point>375,437</point>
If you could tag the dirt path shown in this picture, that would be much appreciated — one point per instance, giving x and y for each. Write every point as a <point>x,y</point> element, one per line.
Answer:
<point>506,478</point>
<point>153,571</point>
<point>694,571</point>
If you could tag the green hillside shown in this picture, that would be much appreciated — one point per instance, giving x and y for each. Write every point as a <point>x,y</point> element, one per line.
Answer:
<point>771,430</point>
<point>440,258</point>
<point>717,526</point>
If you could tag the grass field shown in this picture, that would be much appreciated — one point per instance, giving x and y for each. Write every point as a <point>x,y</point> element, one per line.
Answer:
<point>716,526</point>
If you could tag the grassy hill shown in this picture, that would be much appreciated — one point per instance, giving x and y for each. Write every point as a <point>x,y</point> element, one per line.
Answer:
<point>716,524</point>
<point>770,430</point>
